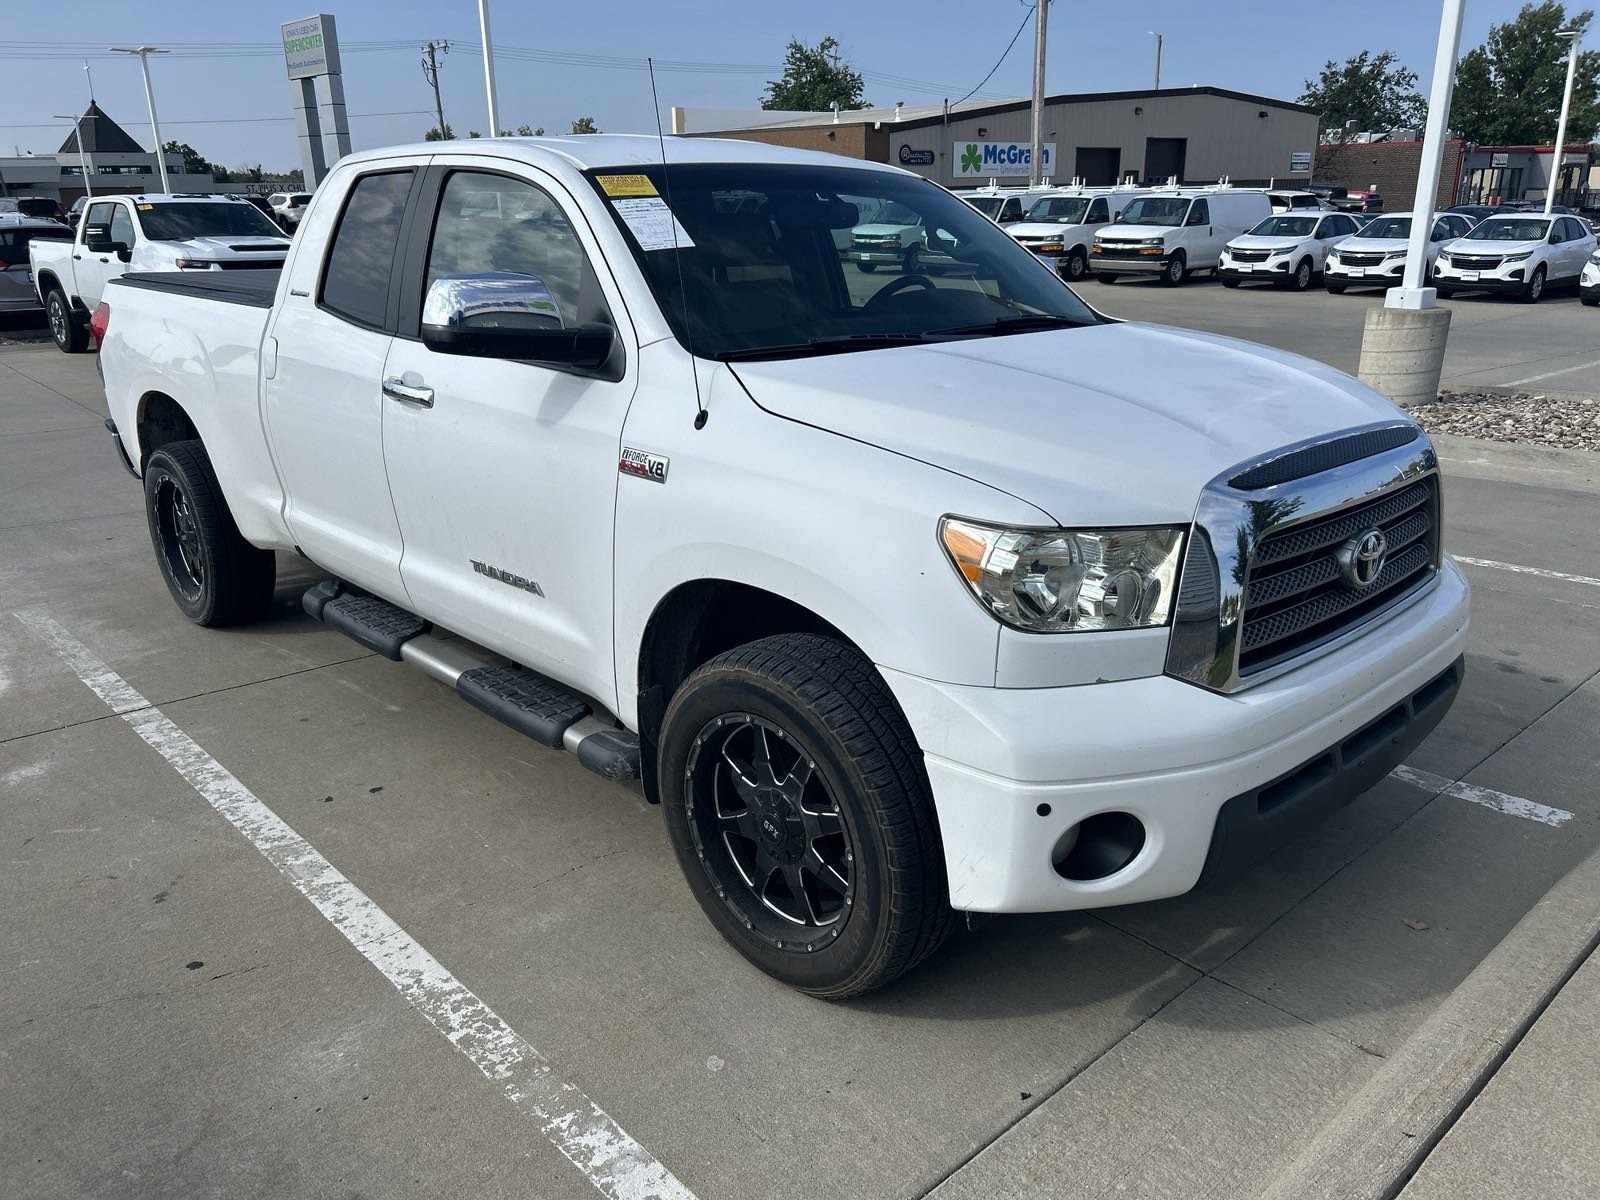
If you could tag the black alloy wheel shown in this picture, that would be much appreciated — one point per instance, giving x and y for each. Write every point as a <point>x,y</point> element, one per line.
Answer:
<point>177,537</point>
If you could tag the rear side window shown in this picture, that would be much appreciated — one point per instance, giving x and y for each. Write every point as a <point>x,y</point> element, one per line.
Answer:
<point>355,281</point>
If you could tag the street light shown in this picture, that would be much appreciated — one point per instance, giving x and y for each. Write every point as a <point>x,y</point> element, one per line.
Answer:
<point>83,159</point>
<point>1573,36</point>
<point>1158,39</point>
<point>488,69</point>
<point>144,53</point>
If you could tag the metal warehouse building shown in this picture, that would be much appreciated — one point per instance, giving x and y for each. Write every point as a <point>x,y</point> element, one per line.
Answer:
<point>1195,133</point>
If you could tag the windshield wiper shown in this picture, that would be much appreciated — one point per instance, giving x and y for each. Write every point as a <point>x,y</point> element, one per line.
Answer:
<point>1023,323</point>
<point>841,344</point>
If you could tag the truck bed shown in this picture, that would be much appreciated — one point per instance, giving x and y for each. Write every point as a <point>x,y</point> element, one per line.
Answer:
<point>254,288</point>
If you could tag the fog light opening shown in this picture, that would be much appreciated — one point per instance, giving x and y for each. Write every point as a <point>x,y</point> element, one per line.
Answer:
<point>1098,846</point>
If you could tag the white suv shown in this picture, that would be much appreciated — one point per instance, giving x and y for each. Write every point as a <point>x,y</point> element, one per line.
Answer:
<point>1515,252</point>
<point>1287,249</point>
<point>1376,255</point>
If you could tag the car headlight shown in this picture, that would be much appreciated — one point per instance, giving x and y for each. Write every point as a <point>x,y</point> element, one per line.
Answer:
<point>1444,259</point>
<point>1333,257</point>
<point>1155,241</point>
<point>1067,580</point>
<point>1523,257</point>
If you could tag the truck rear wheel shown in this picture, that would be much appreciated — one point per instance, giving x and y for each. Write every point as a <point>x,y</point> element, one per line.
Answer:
<point>214,575</point>
<point>798,808</point>
<point>70,336</point>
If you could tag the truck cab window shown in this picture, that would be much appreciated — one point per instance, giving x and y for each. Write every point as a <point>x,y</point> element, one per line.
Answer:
<point>496,223</point>
<point>355,282</point>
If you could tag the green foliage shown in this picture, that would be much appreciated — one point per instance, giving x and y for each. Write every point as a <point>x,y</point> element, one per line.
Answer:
<point>1373,90</point>
<point>1508,90</point>
<point>814,79</point>
<point>583,125</point>
<point>195,164</point>
<point>530,131</point>
<point>433,134</point>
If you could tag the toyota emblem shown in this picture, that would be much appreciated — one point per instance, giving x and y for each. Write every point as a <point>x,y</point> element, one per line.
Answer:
<point>1361,559</point>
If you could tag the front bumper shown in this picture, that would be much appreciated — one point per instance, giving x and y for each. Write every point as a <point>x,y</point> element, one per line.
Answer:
<point>1014,770</point>
<point>1143,264</point>
<point>1501,279</point>
<point>1386,274</point>
<point>875,255</point>
<point>1270,270</point>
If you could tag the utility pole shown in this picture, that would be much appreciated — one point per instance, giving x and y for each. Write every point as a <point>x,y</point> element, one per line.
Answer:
<point>144,53</point>
<point>1159,40</point>
<point>488,69</point>
<point>1572,37</point>
<point>83,158</point>
<point>1036,162</point>
<point>430,72</point>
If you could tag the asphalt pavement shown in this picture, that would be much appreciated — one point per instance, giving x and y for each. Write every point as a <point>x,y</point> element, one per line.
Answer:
<point>195,1004</point>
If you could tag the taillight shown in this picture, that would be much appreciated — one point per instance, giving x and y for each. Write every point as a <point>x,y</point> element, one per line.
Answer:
<point>98,320</point>
<point>4,265</point>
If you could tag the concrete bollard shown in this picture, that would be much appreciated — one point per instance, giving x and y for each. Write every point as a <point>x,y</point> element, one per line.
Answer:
<point>1402,353</point>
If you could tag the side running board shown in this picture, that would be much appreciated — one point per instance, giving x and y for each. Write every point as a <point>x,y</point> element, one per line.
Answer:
<point>533,705</point>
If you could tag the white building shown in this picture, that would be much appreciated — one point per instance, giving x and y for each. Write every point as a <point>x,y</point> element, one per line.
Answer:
<point>117,164</point>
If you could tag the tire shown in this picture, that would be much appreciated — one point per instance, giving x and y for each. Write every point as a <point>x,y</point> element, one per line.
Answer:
<point>1076,267</point>
<point>1335,289</point>
<point>1444,292</point>
<point>1230,283</point>
<point>866,268</point>
<point>1177,267</point>
<point>69,335</point>
<point>1534,288</point>
<point>214,575</point>
<point>1106,277</point>
<point>850,818</point>
<point>1589,301</point>
<point>1301,279</point>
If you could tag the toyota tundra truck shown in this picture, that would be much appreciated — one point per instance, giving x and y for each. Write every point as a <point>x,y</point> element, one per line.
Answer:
<point>905,597</point>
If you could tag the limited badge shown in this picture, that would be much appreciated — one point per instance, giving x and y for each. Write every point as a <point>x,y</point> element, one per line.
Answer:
<point>643,464</point>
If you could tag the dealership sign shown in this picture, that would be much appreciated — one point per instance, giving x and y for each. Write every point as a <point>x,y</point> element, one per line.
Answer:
<point>915,158</point>
<point>310,47</point>
<point>985,159</point>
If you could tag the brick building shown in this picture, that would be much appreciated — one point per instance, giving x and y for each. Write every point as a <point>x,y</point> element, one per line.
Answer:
<point>1391,169</point>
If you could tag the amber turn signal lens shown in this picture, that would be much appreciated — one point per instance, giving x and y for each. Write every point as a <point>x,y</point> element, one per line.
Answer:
<point>966,549</point>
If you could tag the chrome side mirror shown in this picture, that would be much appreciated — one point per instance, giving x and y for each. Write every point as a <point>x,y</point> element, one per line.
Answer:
<point>505,314</point>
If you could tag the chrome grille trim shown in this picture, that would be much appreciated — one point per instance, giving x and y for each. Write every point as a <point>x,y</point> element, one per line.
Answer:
<point>1225,585</point>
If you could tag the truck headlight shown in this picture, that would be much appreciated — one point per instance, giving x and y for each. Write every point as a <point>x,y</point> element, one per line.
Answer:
<point>192,264</point>
<point>1067,580</point>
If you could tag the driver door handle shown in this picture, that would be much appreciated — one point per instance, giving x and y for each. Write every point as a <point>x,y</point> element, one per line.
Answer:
<point>395,389</point>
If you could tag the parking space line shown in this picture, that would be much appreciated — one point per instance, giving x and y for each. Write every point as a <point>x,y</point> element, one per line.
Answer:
<point>607,1156</point>
<point>1512,806</point>
<point>1542,572</point>
<point>1551,374</point>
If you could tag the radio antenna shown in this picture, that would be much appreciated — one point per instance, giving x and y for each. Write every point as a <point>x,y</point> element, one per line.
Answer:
<point>677,252</point>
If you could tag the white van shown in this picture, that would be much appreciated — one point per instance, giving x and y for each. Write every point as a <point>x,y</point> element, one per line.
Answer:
<point>1004,205</point>
<point>1172,231</point>
<point>1062,225</point>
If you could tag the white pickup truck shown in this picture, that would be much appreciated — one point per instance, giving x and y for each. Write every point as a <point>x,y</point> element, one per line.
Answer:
<point>119,234</point>
<point>902,596</point>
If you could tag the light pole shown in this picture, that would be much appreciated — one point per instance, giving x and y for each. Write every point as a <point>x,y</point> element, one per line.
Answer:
<point>1159,40</point>
<point>83,159</point>
<point>1573,36</point>
<point>488,69</point>
<point>144,53</point>
<point>1036,162</point>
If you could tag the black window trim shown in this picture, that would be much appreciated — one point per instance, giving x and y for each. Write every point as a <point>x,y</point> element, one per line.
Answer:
<point>391,308</point>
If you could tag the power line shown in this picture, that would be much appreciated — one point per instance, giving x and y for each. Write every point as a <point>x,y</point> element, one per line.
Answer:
<point>1003,56</point>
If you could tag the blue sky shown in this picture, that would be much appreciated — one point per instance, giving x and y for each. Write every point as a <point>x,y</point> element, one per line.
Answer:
<point>217,104</point>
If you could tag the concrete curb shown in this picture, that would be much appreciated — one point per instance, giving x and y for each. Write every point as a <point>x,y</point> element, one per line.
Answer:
<point>1371,1147</point>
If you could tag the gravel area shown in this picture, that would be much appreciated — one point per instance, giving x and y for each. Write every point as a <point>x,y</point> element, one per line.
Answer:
<point>1568,421</point>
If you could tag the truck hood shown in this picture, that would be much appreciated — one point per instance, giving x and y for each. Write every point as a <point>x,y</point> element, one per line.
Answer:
<point>1108,424</point>
<point>226,247</point>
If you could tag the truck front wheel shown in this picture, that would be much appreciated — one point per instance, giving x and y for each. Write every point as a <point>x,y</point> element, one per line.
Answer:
<point>214,575</point>
<point>70,336</point>
<point>798,808</point>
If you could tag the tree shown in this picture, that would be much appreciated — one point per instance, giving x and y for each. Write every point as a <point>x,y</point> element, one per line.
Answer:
<point>1372,90</point>
<point>583,125</point>
<point>1508,90</point>
<point>814,79</point>
<point>194,163</point>
<point>528,131</point>
<point>433,135</point>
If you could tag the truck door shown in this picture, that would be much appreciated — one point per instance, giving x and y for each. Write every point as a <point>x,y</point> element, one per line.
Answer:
<point>91,269</point>
<point>322,381</point>
<point>504,473</point>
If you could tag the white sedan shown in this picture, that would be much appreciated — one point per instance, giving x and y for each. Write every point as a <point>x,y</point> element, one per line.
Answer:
<point>1287,249</point>
<point>1520,253</point>
<point>1376,255</point>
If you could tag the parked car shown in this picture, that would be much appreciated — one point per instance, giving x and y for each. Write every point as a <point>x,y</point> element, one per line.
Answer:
<point>1287,249</point>
<point>1285,201</point>
<point>40,208</point>
<point>1170,232</point>
<point>257,202</point>
<point>1376,254</point>
<point>144,233</point>
<point>1522,255</point>
<point>1589,282</point>
<point>288,207</point>
<point>1337,196</point>
<point>955,597</point>
<point>16,273</point>
<point>1062,225</point>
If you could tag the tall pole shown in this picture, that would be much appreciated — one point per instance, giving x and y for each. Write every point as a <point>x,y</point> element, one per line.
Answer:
<point>1036,162</point>
<point>488,68</point>
<point>1158,38</point>
<point>1556,163</point>
<point>83,159</point>
<point>1412,293</point>
<point>144,53</point>
<point>430,68</point>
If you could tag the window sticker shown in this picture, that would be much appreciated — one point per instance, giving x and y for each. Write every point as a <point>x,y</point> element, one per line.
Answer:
<point>652,223</point>
<point>626,185</point>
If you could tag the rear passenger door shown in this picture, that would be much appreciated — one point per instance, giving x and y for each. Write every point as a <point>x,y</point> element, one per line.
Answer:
<point>323,366</point>
<point>1578,245</point>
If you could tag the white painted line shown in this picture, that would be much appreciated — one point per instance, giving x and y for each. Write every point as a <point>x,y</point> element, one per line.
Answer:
<point>1550,374</point>
<point>611,1160</point>
<point>1512,806</point>
<point>1539,571</point>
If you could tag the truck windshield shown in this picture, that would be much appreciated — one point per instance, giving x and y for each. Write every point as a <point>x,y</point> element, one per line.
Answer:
<point>177,221</point>
<point>989,206</point>
<point>1067,210</point>
<point>1156,210</point>
<point>777,261</point>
